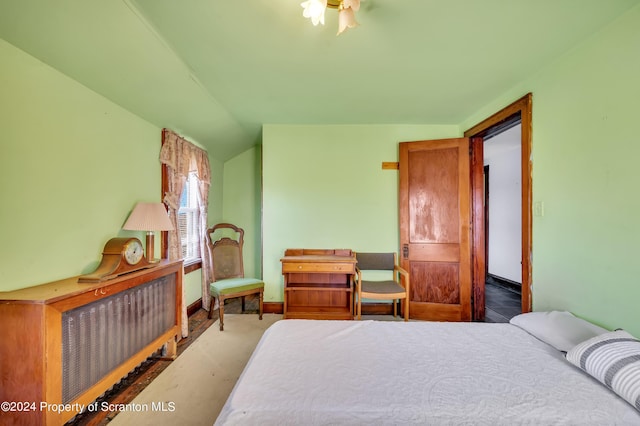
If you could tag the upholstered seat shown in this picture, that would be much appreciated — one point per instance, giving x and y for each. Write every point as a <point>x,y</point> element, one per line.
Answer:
<point>228,270</point>
<point>234,285</point>
<point>382,287</point>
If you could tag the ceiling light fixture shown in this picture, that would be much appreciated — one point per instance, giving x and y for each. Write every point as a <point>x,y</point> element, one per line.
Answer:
<point>314,10</point>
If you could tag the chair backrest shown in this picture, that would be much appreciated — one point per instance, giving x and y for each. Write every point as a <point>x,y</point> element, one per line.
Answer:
<point>376,261</point>
<point>225,253</point>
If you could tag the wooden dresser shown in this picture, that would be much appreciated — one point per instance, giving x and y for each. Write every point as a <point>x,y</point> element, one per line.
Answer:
<point>318,283</point>
<point>63,344</point>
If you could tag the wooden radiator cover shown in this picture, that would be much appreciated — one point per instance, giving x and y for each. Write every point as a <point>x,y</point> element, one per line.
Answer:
<point>67,343</point>
<point>99,336</point>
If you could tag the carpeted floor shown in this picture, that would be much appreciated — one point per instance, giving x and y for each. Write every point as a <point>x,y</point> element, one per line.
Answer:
<point>193,389</point>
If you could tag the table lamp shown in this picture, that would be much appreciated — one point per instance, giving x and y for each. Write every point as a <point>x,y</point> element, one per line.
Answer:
<point>149,217</point>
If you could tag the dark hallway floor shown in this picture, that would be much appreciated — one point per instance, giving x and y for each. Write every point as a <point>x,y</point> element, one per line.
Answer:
<point>501,303</point>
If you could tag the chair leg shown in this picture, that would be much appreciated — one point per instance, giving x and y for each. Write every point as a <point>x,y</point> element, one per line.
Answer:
<point>261,297</point>
<point>211,306</point>
<point>242,304</point>
<point>406,309</point>
<point>221,303</point>
<point>395,308</point>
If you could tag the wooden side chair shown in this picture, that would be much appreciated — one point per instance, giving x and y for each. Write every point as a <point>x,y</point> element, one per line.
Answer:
<point>395,287</point>
<point>228,270</point>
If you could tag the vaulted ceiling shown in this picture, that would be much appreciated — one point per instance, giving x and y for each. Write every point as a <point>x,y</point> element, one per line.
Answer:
<point>217,70</point>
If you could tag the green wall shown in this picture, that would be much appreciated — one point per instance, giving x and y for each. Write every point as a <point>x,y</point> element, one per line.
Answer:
<point>585,152</point>
<point>72,166</point>
<point>324,187</point>
<point>242,204</point>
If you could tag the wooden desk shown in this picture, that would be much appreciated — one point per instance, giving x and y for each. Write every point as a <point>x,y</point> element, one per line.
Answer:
<point>318,284</point>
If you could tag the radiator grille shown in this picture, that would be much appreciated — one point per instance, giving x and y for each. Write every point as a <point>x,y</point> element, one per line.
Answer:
<point>98,337</point>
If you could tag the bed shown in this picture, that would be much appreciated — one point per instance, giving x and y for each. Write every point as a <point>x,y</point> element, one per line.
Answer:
<point>306,372</point>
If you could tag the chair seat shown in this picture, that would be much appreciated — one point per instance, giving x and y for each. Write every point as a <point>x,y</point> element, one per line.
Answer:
<point>382,287</point>
<point>234,285</point>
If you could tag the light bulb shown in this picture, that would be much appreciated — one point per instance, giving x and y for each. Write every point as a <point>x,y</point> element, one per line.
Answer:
<point>314,10</point>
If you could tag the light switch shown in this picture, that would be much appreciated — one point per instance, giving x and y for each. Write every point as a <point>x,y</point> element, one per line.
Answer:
<point>538,208</point>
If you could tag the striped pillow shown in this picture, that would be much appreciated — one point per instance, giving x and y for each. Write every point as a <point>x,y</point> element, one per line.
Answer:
<point>614,359</point>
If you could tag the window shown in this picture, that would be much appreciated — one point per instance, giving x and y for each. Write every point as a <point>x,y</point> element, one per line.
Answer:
<point>189,220</point>
<point>181,158</point>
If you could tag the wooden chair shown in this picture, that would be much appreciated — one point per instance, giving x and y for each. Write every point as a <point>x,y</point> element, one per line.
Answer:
<point>393,288</point>
<point>227,270</point>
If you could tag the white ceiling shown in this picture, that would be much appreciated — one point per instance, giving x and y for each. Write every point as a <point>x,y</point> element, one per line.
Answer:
<point>217,70</point>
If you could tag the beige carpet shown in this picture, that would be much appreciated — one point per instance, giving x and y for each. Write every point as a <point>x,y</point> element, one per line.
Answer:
<point>193,389</point>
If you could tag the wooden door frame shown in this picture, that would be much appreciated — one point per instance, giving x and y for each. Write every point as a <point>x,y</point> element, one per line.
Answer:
<point>486,218</point>
<point>523,106</point>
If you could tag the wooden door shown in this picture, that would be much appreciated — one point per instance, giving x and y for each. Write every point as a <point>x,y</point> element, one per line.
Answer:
<point>435,219</point>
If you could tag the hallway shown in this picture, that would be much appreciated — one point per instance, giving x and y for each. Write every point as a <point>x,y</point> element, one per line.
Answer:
<point>501,303</point>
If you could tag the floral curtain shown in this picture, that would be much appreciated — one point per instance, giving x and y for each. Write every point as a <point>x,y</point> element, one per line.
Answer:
<point>181,157</point>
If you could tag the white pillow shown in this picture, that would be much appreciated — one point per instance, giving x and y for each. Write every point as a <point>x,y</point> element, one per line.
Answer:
<point>560,329</point>
<point>613,359</point>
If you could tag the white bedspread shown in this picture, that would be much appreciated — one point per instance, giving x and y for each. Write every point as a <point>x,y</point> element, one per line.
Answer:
<point>383,373</point>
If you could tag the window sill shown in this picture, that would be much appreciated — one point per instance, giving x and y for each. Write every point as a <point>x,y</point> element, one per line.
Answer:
<point>193,265</point>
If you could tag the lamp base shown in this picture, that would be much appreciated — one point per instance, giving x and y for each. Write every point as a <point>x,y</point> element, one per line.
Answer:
<point>150,248</point>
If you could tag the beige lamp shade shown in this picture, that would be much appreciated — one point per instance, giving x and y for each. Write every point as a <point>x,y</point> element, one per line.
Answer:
<point>149,217</point>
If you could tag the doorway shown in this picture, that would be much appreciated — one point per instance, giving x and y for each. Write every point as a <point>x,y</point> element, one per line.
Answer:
<point>502,218</point>
<point>519,110</point>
